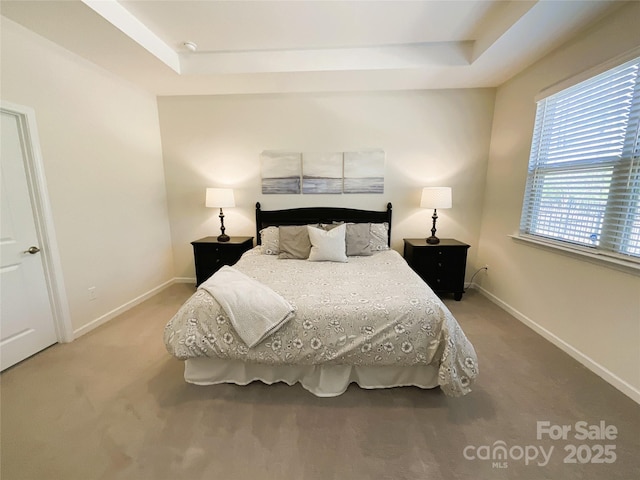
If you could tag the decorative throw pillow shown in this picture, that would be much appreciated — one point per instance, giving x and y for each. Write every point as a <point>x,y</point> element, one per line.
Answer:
<point>358,239</point>
<point>294,242</point>
<point>270,240</point>
<point>328,246</point>
<point>379,236</point>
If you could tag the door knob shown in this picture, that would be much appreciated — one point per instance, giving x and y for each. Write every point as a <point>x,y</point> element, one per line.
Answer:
<point>32,250</point>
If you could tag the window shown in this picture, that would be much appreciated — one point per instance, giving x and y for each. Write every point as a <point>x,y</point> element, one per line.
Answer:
<point>583,183</point>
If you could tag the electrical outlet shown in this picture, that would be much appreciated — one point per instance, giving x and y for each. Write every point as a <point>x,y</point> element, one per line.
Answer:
<point>92,293</point>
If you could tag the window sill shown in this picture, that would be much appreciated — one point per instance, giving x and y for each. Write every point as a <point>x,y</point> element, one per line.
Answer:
<point>603,259</point>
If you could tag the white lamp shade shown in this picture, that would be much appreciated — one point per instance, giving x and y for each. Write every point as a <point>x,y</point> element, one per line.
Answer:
<point>220,197</point>
<point>436,197</point>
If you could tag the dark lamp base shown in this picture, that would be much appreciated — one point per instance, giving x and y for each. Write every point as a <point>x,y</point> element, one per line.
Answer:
<point>433,240</point>
<point>223,238</point>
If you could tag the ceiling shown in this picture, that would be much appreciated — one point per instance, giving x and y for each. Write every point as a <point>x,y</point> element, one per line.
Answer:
<point>308,46</point>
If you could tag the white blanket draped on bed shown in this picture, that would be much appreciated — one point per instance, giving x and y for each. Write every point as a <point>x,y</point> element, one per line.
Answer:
<point>254,310</point>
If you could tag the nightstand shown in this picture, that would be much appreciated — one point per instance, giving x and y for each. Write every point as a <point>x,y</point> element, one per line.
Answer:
<point>210,254</point>
<point>442,265</point>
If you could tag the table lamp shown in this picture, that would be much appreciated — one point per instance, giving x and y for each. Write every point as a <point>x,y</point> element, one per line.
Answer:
<point>435,197</point>
<point>219,198</point>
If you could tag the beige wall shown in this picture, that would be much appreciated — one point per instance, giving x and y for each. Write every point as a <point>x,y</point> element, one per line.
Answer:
<point>101,148</point>
<point>591,310</point>
<point>431,138</point>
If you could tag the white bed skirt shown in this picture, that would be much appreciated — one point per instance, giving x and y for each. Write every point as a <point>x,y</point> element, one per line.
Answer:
<point>322,381</point>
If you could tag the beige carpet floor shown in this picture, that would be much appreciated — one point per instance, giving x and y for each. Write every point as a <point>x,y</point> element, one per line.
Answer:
<point>113,405</point>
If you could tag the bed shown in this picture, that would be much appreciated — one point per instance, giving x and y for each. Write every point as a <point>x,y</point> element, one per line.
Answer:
<point>363,318</point>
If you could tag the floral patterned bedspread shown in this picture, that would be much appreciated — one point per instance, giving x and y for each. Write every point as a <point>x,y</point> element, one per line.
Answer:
<point>370,311</point>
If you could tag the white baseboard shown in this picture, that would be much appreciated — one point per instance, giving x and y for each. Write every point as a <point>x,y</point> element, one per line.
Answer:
<point>595,367</point>
<point>121,309</point>
<point>184,280</point>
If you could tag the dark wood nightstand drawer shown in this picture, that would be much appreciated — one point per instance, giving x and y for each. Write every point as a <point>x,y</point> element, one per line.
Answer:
<point>210,255</point>
<point>442,265</point>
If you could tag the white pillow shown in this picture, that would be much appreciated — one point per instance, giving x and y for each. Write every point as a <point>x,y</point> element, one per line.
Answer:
<point>328,246</point>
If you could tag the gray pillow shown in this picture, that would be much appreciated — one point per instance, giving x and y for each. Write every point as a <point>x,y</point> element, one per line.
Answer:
<point>358,239</point>
<point>294,242</point>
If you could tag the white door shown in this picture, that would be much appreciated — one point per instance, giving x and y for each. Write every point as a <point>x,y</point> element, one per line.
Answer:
<point>26,319</point>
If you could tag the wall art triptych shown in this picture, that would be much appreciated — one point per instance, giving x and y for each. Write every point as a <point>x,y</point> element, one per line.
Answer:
<point>323,173</point>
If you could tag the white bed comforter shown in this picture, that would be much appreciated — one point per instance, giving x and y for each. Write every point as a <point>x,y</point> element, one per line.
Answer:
<point>371,311</point>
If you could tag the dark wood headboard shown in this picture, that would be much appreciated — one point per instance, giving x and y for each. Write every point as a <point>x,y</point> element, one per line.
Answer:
<point>311,215</point>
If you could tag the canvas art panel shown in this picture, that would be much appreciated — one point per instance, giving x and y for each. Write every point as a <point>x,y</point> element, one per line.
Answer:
<point>281,172</point>
<point>322,173</point>
<point>364,172</point>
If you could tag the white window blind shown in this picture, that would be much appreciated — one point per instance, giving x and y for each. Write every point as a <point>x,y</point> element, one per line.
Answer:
<point>583,184</point>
